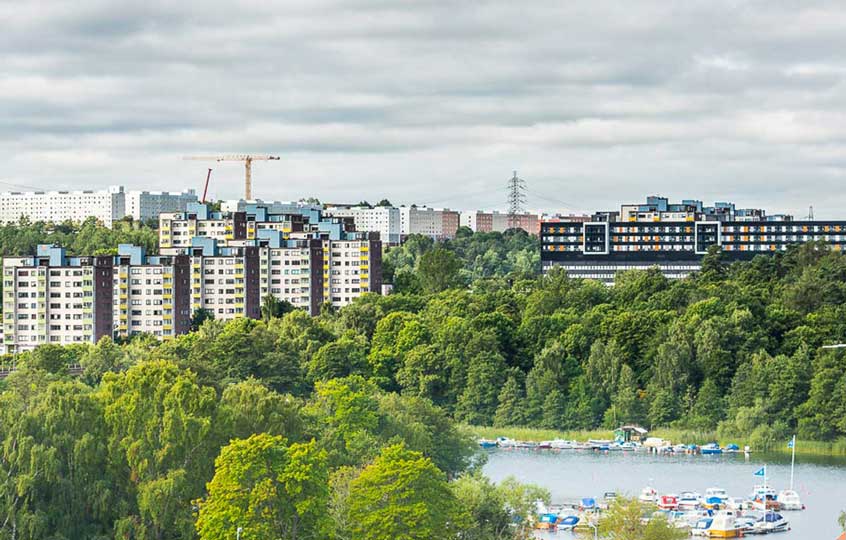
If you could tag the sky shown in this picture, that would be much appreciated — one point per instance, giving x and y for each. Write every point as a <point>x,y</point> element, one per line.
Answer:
<point>593,103</point>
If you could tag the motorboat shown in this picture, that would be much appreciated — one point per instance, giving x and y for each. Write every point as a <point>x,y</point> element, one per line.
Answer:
<point>599,444</point>
<point>567,523</point>
<point>547,522</point>
<point>544,445</point>
<point>712,503</point>
<point>487,443</point>
<point>710,449</point>
<point>789,500</point>
<point>628,446</point>
<point>735,503</point>
<point>771,522</point>
<point>560,444</point>
<point>610,496</point>
<point>668,502</point>
<point>505,442</point>
<point>680,449</point>
<point>648,495</point>
<point>719,493</point>
<point>764,498</point>
<point>724,525</point>
<point>731,449</point>
<point>587,504</point>
<point>689,500</point>
<point>701,527</point>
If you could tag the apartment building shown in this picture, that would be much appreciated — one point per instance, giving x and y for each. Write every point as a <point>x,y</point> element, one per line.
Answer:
<point>653,235</point>
<point>150,294</point>
<point>107,206</point>
<point>50,298</point>
<point>273,207</point>
<point>351,266</point>
<point>225,280</point>
<point>385,220</point>
<point>292,271</point>
<point>144,205</point>
<point>496,221</point>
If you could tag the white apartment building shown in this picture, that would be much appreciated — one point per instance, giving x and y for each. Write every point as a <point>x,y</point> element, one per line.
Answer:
<point>421,220</point>
<point>273,207</point>
<point>385,220</point>
<point>347,267</point>
<point>226,282</point>
<point>143,205</point>
<point>107,205</point>
<point>293,274</point>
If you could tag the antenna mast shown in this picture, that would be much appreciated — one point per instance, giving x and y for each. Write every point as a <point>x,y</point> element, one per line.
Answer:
<point>516,200</point>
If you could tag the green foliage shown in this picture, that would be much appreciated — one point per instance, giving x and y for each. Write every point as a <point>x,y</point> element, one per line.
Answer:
<point>86,238</point>
<point>623,521</point>
<point>402,495</point>
<point>268,489</point>
<point>497,511</point>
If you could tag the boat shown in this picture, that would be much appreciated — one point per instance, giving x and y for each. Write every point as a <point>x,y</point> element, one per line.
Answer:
<point>547,522</point>
<point>680,449</point>
<point>735,503</point>
<point>689,500</point>
<point>710,449</point>
<point>599,444</point>
<point>648,495</point>
<point>628,446</point>
<point>771,522</point>
<point>764,498</point>
<point>560,444</point>
<point>568,523</point>
<point>789,500</point>
<point>610,496</point>
<point>724,525</point>
<point>505,442</point>
<point>732,449</point>
<point>587,503</point>
<point>668,502</point>
<point>487,443</point>
<point>719,493</point>
<point>701,527</point>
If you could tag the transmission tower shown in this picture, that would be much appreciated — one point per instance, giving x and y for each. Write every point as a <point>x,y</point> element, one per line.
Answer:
<point>516,200</point>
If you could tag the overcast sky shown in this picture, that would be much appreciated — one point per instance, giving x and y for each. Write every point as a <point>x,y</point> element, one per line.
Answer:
<point>593,103</point>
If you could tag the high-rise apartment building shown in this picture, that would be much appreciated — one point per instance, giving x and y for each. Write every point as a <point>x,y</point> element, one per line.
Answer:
<point>144,205</point>
<point>382,219</point>
<point>107,206</point>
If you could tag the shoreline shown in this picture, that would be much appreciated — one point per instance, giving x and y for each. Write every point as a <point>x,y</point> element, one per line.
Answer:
<point>803,448</point>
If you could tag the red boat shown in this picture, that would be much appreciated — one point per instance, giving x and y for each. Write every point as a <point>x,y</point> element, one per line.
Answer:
<point>668,502</point>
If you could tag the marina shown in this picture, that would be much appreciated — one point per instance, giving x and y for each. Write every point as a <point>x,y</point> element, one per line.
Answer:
<point>682,484</point>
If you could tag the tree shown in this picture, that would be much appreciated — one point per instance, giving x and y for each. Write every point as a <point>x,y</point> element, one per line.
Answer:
<point>497,511</point>
<point>274,308</point>
<point>624,521</point>
<point>104,357</point>
<point>438,270</point>
<point>268,489</point>
<point>403,496</point>
<point>511,398</point>
<point>200,316</point>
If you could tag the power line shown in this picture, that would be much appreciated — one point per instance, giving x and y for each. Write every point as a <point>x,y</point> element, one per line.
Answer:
<point>23,186</point>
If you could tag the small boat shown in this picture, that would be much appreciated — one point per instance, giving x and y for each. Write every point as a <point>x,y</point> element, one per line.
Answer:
<point>560,444</point>
<point>701,527</point>
<point>598,444</point>
<point>587,503</point>
<point>764,498</point>
<point>689,500</point>
<point>710,449</point>
<point>735,503</point>
<point>724,525</point>
<point>770,523</point>
<point>547,522</point>
<point>789,500</point>
<point>544,445</point>
<point>568,523</point>
<point>505,442</point>
<point>648,495</point>
<point>732,449</point>
<point>712,503</point>
<point>720,493</point>
<point>487,443</point>
<point>628,446</point>
<point>680,449</point>
<point>668,502</point>
<point>610,496</point>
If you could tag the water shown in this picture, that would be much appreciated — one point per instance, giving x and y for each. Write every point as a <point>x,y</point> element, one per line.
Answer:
<point>570,475</point>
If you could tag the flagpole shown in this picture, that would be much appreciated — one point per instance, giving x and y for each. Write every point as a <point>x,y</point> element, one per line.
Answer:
<point>792,461</point>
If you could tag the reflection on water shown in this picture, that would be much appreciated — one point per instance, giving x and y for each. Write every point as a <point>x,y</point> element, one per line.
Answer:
<point>569,474</point>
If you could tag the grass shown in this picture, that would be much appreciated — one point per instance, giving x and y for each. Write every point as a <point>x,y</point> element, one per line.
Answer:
<point>811,448</point>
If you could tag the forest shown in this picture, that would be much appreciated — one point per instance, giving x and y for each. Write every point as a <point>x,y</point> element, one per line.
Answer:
<point>350,425</point>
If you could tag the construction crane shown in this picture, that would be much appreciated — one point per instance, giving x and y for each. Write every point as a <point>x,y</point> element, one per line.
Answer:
<point>248,165</point>
<point>206,188</point>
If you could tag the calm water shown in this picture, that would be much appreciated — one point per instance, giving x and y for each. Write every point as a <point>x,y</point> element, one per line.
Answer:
<point>568,475</point>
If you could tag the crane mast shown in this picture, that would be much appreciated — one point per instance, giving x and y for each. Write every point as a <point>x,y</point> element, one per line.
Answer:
<point>248,166</point>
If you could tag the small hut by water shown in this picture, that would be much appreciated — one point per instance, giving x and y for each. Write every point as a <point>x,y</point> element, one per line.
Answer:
<point>630,433</point>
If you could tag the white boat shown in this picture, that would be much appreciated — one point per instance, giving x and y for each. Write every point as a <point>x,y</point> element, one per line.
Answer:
<point>648,495</point>
<point>689,500</point>
<point>719,493</point>
<point>505,442</point>
<point>680,449</point>
<point>790,500</point>
<point>629,446</point>
<point>770,523</point>
<point>560,444</point>
<point>735,503</point>
<point>701,527</point>
<point>724,525</point>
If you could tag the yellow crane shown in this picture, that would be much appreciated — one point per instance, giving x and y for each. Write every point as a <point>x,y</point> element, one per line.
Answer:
<point>248,165</point>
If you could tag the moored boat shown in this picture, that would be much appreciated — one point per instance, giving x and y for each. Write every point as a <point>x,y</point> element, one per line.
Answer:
<point>689,500</point>
<point>771,522</point>
<point>487,443</point>
<point>648,495</point>
<point>789,500</point>
<point>710,449</point>
<point>668,502</point>
<point>724,525</point>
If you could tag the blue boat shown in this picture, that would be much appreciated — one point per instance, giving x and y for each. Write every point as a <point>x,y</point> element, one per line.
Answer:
<point>588,503</point>
<point>568,523</point>
<point>710,449</point>
<point>486,443</point>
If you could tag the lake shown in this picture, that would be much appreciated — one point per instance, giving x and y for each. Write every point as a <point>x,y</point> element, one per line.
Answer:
<point>572,474</point>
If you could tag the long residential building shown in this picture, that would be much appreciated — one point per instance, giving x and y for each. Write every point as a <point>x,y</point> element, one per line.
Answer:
<point>673,238</point>
<point>107,206</point>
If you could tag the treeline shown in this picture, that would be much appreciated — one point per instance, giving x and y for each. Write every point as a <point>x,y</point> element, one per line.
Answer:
<point>86,238</point>
<point>151,450</point>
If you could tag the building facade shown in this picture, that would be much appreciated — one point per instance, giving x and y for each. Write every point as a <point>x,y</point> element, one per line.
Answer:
<point>382,219</point>
<point>107,206</point>
<point>144,205</point>
<point>653,235</point>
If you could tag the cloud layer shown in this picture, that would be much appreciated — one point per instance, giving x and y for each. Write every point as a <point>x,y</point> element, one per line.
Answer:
<point>594,103</point>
